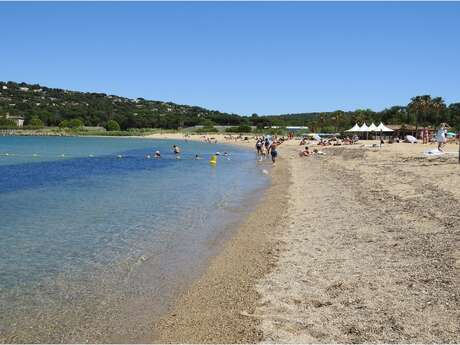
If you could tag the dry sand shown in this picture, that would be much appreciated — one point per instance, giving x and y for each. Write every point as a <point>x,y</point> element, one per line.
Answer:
<point>358,245</point>
<point>370,252</point>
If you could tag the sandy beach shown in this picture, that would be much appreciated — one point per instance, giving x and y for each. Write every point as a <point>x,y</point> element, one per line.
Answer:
<point>357,245</point>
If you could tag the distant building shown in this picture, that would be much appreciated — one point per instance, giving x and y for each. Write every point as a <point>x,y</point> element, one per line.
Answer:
<point>94,128</point>
<point>219,128</point>
<point>402,130</point>
<point>23,89</point>
<point>18,120</point>
<point>4,87</point>
<point>296,128</point>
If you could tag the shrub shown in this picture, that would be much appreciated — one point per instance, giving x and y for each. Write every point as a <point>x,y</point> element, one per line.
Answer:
<point>64,124</point>
<point>35,122</point>
<point>207,130</point>
<point>7,123</point>
<point>112,125</point>
<point>76,123</point>
<point>239,129</point>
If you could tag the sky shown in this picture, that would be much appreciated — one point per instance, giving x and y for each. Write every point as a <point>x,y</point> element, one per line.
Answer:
<point>240,57</point>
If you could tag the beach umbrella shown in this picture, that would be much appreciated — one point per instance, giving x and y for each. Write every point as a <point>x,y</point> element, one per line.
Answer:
<point>355,128</point>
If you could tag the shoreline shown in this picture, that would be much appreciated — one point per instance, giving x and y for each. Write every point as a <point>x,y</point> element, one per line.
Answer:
<point>214,308</point>
<point>345,247</point>
<point>315,269</point>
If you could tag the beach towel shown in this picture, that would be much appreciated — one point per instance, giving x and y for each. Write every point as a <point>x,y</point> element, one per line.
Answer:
<point>436,152</point>
<point>433,152</point>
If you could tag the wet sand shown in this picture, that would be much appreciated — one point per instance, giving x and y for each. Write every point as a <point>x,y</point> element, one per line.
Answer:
<point>358,245</point>
<point>213,309</point>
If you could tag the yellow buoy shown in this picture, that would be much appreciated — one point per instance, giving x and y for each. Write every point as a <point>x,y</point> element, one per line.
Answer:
<point>213,160</point>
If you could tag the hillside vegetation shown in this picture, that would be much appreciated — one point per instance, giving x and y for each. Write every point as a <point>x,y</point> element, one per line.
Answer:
<point>43,106</point>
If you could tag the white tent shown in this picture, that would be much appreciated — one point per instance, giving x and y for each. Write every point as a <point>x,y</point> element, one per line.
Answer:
<point>364,128</point>
<point>372,127</point>
<point>355,128</point>
<point>383,128</point>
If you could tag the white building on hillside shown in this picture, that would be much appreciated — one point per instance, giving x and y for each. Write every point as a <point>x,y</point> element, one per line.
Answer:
<point>19,120</point>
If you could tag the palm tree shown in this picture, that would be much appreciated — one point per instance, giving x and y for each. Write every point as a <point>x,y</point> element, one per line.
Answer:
<point>419,105</point>
<point>438,106</point>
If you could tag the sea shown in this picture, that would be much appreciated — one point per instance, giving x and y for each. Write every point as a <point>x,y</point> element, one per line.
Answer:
<point>98,238</point>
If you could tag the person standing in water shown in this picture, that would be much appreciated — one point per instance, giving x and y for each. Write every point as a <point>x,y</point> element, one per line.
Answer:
<point>273,152</point>
<point>267,145</point>
<point>259,145</point>
<point>176,151</point>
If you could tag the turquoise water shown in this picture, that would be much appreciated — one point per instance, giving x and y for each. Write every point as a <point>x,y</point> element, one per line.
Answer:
<point>96,240</point>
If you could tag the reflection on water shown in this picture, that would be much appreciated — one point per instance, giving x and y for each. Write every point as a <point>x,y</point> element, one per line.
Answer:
<point>92,247</point>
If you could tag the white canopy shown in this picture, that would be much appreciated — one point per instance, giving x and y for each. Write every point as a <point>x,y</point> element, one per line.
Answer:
<point>364,128</point>
<point>372,127</point>
<point>383,128</point>
<point>355,128</point>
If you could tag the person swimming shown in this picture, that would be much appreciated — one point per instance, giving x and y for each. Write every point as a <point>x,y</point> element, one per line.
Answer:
<point>157,154</point>
<point>197,157</point>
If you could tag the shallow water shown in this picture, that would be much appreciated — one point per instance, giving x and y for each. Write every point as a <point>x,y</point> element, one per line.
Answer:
<point>93,247</point>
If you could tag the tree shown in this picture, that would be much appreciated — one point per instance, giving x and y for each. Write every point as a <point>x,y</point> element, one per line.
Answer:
<point>239,129</point>
<point>64,124</point>
<point>7,123</point>
<point>36,122</point>
<point>76,123</point>
<point>420,105</point>
<point>208,123</point>
<point>112,125</point>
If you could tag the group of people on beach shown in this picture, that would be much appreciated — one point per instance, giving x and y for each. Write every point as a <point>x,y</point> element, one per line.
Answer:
<point>267,146</point>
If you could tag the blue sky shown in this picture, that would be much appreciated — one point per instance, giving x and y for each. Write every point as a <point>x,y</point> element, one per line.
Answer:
<point>262,57</point>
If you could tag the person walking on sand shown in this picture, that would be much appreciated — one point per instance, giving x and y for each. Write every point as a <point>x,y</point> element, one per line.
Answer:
<point>426,136</point>
<point>441,136</point>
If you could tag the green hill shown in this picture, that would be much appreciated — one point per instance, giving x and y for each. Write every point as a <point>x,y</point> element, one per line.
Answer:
<point>55,106</point>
